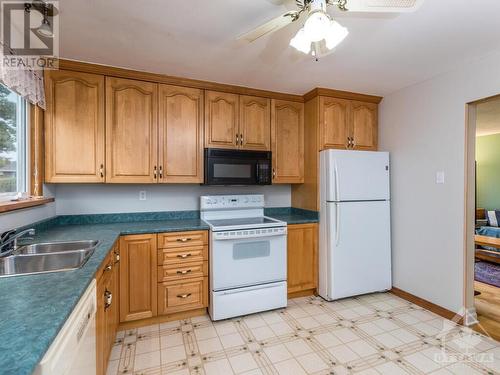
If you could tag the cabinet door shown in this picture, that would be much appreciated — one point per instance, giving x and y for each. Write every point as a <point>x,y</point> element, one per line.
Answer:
<point>221,119</point>
<point>255,123</point>
<point>138,268</point>
<point>131,131</point>
<point>334,122</point>
<point>113,309</point>
<point>302,265</point>
<point>287,140</point>
<point>180,134</point>
<point>100,317</point>
<point>74,127</point>
<point>364,125</point>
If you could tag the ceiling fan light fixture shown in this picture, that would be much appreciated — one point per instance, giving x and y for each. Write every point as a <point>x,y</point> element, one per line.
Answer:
<point>335,35</point>
<point>45,29</point>
<point>301,42</point>
<point>317,25</point>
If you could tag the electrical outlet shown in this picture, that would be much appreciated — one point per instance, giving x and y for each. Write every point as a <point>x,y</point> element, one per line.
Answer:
<point>440,177</point>
<point>142,195</point>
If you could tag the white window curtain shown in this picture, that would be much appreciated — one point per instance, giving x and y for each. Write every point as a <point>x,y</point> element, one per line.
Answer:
<point>26,82</point>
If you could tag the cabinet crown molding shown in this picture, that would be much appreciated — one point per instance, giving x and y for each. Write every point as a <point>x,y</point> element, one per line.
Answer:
<point>319,91</point>
<point>111,71</point>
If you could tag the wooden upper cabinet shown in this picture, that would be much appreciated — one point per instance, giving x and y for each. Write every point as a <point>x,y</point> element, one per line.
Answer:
<point>180,134</point>
<point>364,125</point>
<point>255,123</point>
<point>138,277</point>
<point>74,127</point>
<point>334,122</point>
<point>131,131</point>
<point>221,119</point>
<point>287,140</point>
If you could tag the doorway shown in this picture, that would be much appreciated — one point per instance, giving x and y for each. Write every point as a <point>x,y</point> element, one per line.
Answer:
<point>482,229</point>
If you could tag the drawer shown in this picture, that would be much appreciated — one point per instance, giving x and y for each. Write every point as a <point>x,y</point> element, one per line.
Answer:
<point>188,295</point>
<point>181,239</point>
<point>181,255</point>
<point>182,271</point>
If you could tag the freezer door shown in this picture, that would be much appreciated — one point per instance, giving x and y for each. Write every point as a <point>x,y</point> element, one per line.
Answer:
<point>359,248</point>
<point>355,175</point>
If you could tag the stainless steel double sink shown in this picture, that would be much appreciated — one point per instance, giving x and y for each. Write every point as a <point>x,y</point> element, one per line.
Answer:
<point>47,257</point>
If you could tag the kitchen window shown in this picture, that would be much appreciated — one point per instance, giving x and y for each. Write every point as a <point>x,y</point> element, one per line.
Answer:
<point>14,147</point>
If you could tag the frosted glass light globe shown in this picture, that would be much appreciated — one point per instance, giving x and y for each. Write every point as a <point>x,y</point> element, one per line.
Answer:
<point>316,26</point>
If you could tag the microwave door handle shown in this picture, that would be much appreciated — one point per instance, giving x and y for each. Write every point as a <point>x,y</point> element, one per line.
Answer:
<point>257,173</point>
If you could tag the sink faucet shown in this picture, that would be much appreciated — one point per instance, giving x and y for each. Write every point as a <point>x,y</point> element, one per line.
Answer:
<point>8,245</point>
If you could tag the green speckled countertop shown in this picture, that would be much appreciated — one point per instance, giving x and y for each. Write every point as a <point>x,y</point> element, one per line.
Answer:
<point>34,308</point>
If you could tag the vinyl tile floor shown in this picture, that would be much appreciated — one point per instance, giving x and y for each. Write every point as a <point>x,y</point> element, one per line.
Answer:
<point>370,335</point>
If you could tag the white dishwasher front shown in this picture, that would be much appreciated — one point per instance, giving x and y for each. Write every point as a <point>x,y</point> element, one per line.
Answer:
<point>73,352</point>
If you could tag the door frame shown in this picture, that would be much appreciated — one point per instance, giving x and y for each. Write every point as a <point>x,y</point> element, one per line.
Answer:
<point>470,316</point>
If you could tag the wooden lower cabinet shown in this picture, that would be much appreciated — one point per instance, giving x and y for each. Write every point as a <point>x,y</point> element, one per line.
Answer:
<point>138,258</point>
<point>107,313</point>
<point>302,265</point>
<point>162,274</point>
<point>182,271</point>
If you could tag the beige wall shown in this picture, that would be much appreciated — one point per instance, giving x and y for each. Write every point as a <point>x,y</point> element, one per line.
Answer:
<point>423,128</point>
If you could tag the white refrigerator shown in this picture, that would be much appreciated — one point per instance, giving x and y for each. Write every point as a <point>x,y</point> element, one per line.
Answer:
<point>355,224</point>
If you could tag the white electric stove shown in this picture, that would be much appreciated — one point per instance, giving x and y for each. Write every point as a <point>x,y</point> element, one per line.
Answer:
<point>247,256</point>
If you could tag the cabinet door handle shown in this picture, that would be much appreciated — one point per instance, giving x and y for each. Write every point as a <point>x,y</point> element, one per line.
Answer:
<point>108,299</point>
<point>237,139</point>
<point>161,171</point>
<point>241,139</point>
<point>185,239</point>
<point>184,272</point>
<point>101,170</point>
<point>348,144</point>
<point>274,174</point>
<point>108,267</point>
<point>117,258</point>
<point>182,296</point>
<point>154,172</point>
<point>183,256</point>
<point>353,144</point>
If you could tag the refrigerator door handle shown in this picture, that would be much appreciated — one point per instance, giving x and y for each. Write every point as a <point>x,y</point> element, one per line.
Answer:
<point>337,224</point>
<point>336,173</point>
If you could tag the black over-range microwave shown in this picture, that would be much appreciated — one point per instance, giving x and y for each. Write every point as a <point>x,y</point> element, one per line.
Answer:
<point>237,167</point>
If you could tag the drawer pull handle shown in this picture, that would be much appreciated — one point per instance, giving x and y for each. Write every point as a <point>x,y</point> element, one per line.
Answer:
<point>108,267</point>
<point>184,256</point>
<point>184,239</point>
<point>183,272</point>
<point>182,296</point>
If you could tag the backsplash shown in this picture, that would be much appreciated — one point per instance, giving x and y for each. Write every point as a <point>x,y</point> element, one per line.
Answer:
<point>101,199</point>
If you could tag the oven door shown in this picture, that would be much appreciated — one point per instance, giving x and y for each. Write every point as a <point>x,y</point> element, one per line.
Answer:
<point>239,262</point>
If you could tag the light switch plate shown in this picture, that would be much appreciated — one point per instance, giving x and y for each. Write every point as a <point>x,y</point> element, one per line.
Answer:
<point>440,177</point>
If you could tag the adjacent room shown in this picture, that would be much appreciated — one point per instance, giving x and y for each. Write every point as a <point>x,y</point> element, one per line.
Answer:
<point>250,187</point>
<point>487,264</point>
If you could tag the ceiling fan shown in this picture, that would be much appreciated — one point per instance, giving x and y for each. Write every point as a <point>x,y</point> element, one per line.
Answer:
<point>320,33</point>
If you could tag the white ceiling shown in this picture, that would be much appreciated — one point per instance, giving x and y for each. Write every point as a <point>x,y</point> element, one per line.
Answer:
<point>488,118</point>
<point>196,39</point>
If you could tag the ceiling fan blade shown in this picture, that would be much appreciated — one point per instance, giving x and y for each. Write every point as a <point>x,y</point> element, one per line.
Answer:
<point>269,27</point>
<point>383,6</point>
